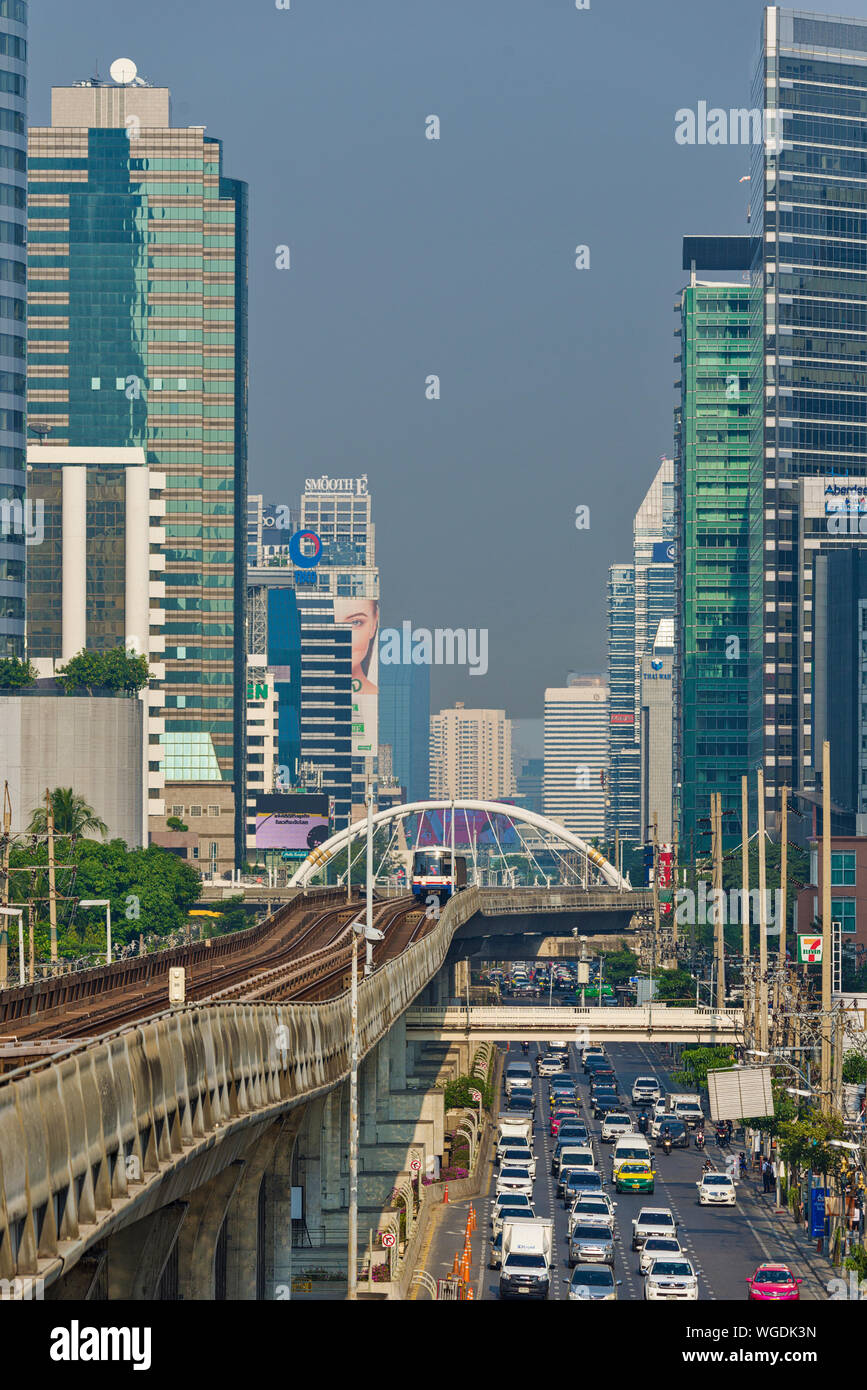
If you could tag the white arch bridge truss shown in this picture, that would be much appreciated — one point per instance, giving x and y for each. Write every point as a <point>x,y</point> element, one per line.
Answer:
<point>550,835</point>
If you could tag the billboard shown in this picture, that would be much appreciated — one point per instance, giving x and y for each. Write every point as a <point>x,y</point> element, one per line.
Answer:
<point>740,1093</point>
<point>362,616</point>
<point>810,950</point>
<point>663,553</point>
<point>293,824</point>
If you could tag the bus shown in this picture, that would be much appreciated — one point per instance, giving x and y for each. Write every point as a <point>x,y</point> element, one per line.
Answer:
<point>432,873</point>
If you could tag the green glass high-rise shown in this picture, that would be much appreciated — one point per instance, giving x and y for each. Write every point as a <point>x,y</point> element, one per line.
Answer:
<point>712,480</point>
<point>137,336</point>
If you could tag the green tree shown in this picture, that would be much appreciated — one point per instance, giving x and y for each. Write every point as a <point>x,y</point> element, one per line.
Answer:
<point>118,669</point>
<point>620,966</point>
<point>696,1062</point>
<point>457,1093</point>
<point>855,1068</point>
<point>15,673</point>
<point>674,985</point>
<point>175,823</point>
<point>72,815</point>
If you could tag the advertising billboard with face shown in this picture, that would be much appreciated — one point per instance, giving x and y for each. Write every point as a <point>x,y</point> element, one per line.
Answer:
<point>292,824</point>
<point>362,616</point>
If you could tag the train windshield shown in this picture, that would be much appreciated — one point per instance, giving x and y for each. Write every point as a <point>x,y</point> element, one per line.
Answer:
<point>429,862</point>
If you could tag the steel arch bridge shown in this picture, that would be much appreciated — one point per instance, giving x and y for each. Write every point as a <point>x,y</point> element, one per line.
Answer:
<point>551,830</point>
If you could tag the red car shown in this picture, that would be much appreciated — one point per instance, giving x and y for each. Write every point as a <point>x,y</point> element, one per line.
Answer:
<point>773,1282</point>
<point>563,1112</point>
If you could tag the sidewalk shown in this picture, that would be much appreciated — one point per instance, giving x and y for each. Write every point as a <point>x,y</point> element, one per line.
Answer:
<point>780,1239</point>
<point>447,1234</point>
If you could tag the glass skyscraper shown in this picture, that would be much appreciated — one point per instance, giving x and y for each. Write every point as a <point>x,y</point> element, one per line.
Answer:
<point>13,313</point>
<point>137,336</point>
<point>622,800</point>
<point>404,724</point>
<point>809,181</point>
<point>713,429</point>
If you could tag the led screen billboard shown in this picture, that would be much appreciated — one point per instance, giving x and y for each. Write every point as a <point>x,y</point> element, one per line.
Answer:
<point>292,824</point>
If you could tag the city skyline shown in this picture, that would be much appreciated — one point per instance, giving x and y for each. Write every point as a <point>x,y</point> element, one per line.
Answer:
<point>500,307</point>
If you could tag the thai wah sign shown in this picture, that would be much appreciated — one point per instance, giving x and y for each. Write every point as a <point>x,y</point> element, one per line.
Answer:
<point>810,950</point>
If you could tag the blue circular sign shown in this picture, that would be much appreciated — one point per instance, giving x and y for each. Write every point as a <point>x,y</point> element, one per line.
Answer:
<point>297,556</point>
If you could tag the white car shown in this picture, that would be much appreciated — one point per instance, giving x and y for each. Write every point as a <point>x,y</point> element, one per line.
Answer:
<point>671,1279</point>
<point>515,1180</point>
<point>659,1109</point>
<point>590,1208</point>
<point>516,1204</point>
<point>513,1142</point>
<point>656,1248</point>
<point>550,1066</point>
<point>646,1090</point>
<point>517,1158</point>
<point>615,1125</point>
<point>716,1190</point>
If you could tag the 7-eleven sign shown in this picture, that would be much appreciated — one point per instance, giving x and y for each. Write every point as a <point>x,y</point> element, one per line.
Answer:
<point>810,950</point>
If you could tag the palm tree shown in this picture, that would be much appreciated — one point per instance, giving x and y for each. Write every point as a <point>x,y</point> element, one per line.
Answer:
<point>72,816</point>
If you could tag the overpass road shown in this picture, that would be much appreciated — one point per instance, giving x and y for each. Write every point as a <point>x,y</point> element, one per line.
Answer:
<point>724,1244</point>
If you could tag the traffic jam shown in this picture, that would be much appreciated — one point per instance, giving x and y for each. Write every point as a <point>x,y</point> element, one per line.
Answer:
<point>579,1207</point>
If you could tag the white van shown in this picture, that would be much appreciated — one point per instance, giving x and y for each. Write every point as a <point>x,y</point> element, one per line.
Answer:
<point>519,1077</point>
<point>630,1147</point>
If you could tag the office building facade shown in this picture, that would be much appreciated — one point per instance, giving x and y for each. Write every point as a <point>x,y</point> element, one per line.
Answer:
<point>622,801</point>
<point>137,338</point>
<point>810,284</point>
<point>13,316</point>
<point>656,724</point>
<point>470,754</point>
<point>576,756</point>
<point>404,724</point>
<point>713,431</point>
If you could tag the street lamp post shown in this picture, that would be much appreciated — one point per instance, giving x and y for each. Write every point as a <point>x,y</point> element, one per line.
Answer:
<point>101,902</point>
<point>19,913</point>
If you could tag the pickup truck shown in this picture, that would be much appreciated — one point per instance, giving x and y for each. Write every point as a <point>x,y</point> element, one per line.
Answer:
<point>652,1221</point>
<point>526,1258</point>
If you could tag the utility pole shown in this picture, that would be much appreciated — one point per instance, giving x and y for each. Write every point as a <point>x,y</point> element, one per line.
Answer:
<point>676,885</point>
<point>31,938</point>
<point>745,870</point>
<point>827,930</point>
<point>719,913</point>
<point>52,889</point>
<point>7,836</point>
<point>784,859</point>
<point>655,893</point>
<point>763,919</point>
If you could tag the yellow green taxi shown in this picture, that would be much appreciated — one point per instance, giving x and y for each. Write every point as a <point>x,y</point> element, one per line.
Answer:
<point>634,1175</point>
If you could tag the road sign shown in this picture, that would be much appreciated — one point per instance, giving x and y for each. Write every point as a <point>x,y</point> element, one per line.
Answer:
<point>477,1097</point>
<point>388,1240</point>
<point>415,1165</point>
<point>810,950</point>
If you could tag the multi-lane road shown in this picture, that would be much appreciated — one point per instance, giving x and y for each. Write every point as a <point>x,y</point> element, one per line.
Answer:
<point>723,1243</point>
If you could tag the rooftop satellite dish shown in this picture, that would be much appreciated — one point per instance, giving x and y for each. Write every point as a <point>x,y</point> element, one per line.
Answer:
<point>123,71</point>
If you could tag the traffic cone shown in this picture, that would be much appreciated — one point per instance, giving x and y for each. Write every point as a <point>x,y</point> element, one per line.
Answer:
<point>456,1266</point>
<point>446,1194</point>
<point>473,1218</point>
<point>469,1291</point>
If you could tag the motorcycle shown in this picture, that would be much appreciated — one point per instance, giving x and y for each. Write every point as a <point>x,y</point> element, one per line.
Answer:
<point>525,1048</point>
<point>721,1135</point>
<point>642,1123</point>
<point>699,1139</point>
<point>666,1144</point>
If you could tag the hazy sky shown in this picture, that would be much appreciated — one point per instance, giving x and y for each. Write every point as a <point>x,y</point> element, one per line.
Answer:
<point>456,257</point>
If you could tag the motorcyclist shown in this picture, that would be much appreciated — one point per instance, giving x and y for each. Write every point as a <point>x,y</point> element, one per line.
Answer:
<point>708,1166</point>
<point>665,1136</point>
<point>699,1139</point>
<point>525,1048</point>
<point>642,1122</point>
<point>721,1133</point>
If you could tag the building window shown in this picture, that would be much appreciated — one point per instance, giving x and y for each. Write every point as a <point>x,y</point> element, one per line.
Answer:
<point>195,810</point>
<point>213,810</point>
<point>843,910</point>
<point>178,811</point>
<point>94,383</point>
<point>843,870</point>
